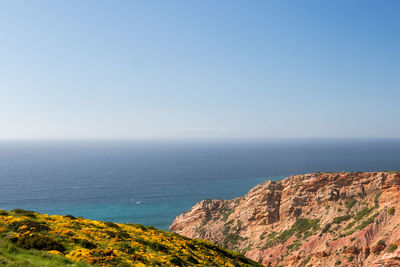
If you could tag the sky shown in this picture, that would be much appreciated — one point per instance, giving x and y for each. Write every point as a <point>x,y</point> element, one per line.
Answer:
<point>199,69</point>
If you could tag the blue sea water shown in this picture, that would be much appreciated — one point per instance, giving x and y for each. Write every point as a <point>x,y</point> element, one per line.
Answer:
<point>151,182</point>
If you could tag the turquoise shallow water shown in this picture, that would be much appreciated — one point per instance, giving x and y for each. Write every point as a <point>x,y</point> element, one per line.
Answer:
<point>151,182</point>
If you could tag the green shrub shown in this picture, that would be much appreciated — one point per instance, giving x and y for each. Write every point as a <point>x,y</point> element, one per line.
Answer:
<point>206,219</point>
<point>272,235</point>
<point>176,261</point>
<point>86,244</point>
<point>111,224</point>
<point>262,236</point>
<point>391,248</point>
<point>376,199</point>
<point>364,212</point>
<point>239,224</point>
<point>232,238</point>
<point>226,214</point>
<point>26,213</point>
<point>226,230</point>
<point>350,258</point>
<point>39,242</point>
<point>32,226</point>
<point>381,243</point>
<point>340,219</point>
<point>337,263</point>
<point>366,222</point>
<point>4,213</point>
<point>229,222</point>
<point>158,247</point>
<point>350,203</point>
<point>192,259</point>
<point>302,225</point>
<point>326,227</point>
<point>391,211</point>
<point>351,224</point>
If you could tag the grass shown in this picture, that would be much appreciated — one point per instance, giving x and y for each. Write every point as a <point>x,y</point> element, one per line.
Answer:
<point>11,255</point>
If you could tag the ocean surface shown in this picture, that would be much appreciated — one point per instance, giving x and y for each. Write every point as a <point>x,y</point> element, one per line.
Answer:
<point>151,182</point>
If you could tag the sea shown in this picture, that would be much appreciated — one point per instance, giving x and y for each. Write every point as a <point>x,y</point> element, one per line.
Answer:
<point>151,182</point>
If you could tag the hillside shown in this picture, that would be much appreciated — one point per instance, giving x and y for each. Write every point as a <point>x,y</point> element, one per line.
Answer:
<point>319,219</point>
<point>32,239</point>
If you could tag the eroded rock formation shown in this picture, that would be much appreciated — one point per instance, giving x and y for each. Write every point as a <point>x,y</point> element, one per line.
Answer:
<point>319,219</point>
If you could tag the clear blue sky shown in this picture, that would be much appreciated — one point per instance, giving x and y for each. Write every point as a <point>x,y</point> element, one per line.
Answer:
<point>173,69</point>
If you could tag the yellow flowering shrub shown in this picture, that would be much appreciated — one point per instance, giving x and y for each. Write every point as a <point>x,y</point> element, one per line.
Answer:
<point>111,244</point>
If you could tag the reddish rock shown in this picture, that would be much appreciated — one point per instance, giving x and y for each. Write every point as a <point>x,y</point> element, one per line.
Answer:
<point>366,252</point>
<point>262,224</point>
<point>352,250</point>
<point>377,248</point>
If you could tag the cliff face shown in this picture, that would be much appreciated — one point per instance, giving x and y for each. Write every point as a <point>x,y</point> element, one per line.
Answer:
<point>319,219</point>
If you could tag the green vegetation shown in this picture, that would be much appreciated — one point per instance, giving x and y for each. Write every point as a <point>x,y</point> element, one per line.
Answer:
<point>226,214</point>
<point>362,225</point>
<point>228,222</point>
<point>232,239</point>
<point>376,199</point>
<point>326,227</point>
<point>226,230</point>
<point>351,224</point>
<point>262,236</point>
<point>337,263</point>
<point>362,213</point>
<point>32,239</point>
<point>12,255</point>
<point>206,219</point>
<point>381,243</point>
<point>350,203</point>
<point>239,224</point>
<point>302,227</point>
<point>340,219</point>
<point>350,258</point>
<point>367,222</point>
<point>295,245</point>
<point>392,248</point>
<point>391,211</point>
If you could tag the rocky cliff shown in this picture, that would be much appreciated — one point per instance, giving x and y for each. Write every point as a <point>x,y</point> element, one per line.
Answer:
<point>319,219</point>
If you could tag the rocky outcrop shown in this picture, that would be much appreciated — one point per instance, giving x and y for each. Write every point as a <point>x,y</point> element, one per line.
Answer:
<point>319,219</point>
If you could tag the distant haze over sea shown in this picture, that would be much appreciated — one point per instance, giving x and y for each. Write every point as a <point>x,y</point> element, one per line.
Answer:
<point>151,182</point>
